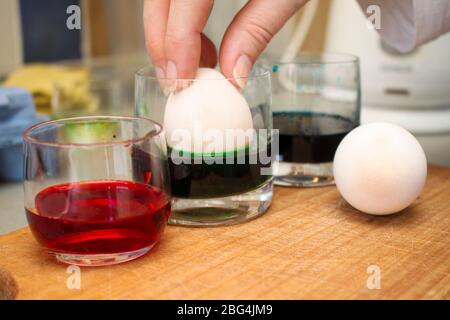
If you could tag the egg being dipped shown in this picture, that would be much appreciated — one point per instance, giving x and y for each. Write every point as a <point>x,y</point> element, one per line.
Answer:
<point>209,116</point>
<point>211,140</point>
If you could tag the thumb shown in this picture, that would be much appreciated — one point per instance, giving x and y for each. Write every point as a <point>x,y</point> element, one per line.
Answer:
<point>250,32</point>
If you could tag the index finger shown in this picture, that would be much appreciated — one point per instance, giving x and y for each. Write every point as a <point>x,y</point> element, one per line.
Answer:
<point>155,16</point>
<point>187,18</point>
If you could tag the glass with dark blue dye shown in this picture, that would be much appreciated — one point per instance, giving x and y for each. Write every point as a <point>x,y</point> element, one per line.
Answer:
<point>316,102</point>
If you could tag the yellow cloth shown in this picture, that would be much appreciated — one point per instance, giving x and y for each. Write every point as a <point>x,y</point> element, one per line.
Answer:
<point>56,89</point>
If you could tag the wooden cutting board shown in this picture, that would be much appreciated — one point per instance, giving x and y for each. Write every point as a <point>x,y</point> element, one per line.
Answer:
<point>309,245</point>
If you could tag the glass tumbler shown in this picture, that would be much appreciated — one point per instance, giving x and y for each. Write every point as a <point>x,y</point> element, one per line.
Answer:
<point>97,189</point>
<point>222,174</point>
<point>316,102</point>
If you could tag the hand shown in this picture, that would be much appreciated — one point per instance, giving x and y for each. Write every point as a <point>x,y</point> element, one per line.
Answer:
<point>174,39</point>
<point>177,47</point>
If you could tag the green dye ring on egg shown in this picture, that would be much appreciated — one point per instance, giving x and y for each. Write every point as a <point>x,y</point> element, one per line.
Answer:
<point>223,154</point>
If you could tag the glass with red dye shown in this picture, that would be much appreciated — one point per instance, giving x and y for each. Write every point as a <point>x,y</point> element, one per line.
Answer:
<point>96,188</point>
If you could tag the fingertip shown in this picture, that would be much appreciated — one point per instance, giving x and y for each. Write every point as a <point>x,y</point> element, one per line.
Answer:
<point>241,70</point>
<point>235,62</point>
<point>250,32</point>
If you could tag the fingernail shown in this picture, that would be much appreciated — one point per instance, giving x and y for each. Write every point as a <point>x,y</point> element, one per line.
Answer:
<point>241,70</point>
<point>171,76</point>
<point>163,83</point>
<point>159,72</point>
<point>171,70</point>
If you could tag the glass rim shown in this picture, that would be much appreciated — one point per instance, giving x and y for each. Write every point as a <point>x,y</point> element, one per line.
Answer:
<point>330,58</point>
<point>26,135</point>
<point>142,73</point>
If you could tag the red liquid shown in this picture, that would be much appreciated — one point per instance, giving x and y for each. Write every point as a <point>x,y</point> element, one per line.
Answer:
<point>99,217</point>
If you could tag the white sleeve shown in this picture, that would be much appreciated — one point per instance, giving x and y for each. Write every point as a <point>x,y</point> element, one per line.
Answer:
<point>406,24</point>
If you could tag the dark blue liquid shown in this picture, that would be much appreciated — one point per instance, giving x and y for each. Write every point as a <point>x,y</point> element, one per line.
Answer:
<point>310,137</point>
<point>203,180</point>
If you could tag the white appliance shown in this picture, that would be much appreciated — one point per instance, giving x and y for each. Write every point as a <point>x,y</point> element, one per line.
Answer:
<point>412,90</point>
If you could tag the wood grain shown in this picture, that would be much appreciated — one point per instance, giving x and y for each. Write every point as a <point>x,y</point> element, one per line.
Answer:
<point>309,245</point>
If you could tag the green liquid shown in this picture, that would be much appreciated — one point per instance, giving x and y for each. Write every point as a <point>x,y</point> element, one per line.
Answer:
<point>201,178</point>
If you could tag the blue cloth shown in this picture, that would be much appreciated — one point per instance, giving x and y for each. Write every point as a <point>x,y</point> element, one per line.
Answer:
<point>16,104</point>
<point>17,113</point>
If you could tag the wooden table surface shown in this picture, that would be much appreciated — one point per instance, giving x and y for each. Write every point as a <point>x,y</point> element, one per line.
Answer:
<point>310,245</point>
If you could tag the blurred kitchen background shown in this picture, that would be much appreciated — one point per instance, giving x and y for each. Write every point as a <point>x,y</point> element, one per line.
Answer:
<point>91,71</point>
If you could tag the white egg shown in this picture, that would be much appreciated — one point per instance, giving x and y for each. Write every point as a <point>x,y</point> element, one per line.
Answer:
<point>380,168</point>
<point>205,112</point>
